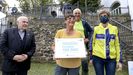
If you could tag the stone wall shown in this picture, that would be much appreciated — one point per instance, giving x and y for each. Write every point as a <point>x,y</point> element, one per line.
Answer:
<point>44,34</point>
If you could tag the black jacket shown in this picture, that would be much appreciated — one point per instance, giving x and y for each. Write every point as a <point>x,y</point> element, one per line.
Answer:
<point>11,45</point>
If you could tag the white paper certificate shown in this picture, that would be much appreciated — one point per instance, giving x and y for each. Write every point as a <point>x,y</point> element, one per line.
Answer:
<point>70,48</point>
<point>130,67</point>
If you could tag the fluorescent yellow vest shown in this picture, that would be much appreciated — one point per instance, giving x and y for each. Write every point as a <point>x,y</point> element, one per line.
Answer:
<point>105,42</point>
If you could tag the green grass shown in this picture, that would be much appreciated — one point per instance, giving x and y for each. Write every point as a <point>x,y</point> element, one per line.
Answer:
<point>48,69</point>
<point>42,69</point>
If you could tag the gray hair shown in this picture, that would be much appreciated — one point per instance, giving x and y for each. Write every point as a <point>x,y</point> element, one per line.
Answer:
<point>21,17</point>
<point>77,10</point>
<point>104,11</point>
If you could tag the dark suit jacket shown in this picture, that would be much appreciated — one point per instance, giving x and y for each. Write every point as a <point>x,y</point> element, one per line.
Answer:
<point>10,46</point>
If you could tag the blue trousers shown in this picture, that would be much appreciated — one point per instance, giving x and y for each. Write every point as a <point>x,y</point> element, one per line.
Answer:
<point>66,71</point>
<point>99,65</point>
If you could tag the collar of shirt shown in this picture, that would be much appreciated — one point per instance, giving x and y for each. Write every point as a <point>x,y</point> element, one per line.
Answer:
<point>21,33</point>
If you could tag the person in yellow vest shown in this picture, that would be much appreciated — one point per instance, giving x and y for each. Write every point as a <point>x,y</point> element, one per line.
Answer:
<point>68,66</point>
<point>84,27</point>
<point>105,47</point>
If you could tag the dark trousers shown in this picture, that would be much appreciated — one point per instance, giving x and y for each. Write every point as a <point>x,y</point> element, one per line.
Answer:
<point>21,72</point>
<point>85,66</point>
<point>99,65</point>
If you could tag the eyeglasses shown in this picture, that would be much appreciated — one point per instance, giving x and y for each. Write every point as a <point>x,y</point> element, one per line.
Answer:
<point>71,18</point>
<point>25,21</point>
<point>104,15</point>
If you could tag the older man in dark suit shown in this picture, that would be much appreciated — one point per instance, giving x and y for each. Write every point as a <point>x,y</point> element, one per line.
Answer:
<point>17,46</point>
